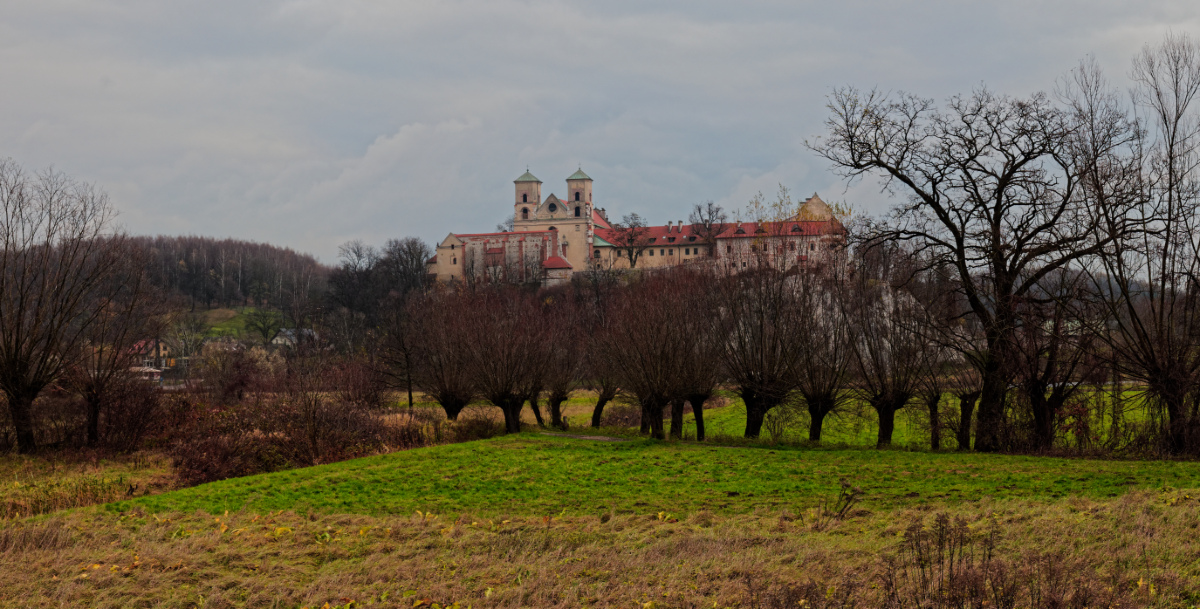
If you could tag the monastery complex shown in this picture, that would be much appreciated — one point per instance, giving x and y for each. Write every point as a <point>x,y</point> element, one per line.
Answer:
<point>553,238</point>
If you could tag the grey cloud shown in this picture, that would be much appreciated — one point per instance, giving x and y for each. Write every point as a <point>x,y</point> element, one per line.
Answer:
<point>309,123</point>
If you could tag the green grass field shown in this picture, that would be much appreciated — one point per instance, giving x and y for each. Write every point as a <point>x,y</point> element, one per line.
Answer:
<point>536,474</point>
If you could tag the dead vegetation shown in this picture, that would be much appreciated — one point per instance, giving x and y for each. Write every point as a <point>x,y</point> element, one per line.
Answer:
<point>1133,551</point>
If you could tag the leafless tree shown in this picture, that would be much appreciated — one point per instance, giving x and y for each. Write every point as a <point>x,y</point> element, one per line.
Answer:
<point>764,322</point>
<point>116,342</point>
<point>631,238</point>
<point>506,354</point>
<point>709,221</point>
<point>639,349</point>
<point>993,192</point>
<point>1146,279</point>
<point>432,346</point>
<point>565,352</point>
<point>890,350</point>
<point>824,346</point>
<point>58,257</point>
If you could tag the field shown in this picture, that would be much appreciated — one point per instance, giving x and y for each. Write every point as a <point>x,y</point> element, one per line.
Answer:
<point>545,520</point>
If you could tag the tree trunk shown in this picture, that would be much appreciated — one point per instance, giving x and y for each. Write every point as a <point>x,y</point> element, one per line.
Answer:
<point>598,409</point>
<point>677,419</point>
<point>512,416</point>
<point>756,411</point>
<point>887,424</point>
<point>818,408</point>
<point>697,402</point>
<point>20,408</point>
<point>991,409</point>
<point>644,426</point>
<point>453,409</point>
<point>933,404</point>
<point>816,420</point>
<point>1043,421</point>
<point>537,410</point>
<point>556,419</point>
<point>654,413</point>
<point>966,408</point>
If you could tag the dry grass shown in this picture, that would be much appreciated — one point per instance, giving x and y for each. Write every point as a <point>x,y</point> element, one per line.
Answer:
<point>1138,549</point>
<point>49,482</point>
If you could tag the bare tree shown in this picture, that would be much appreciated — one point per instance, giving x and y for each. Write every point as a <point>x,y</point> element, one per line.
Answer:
<point>993,191</point>
<point>889,347</point>
<point>58,257</point>
<point>506,354</point>
<point>631,237</point>
<point>115,343</point>
<point>428,343</point>
<point>709,221</point>
<point>824,346</point>
<point>764,324</point>
<point>639,349</point>
<point>1146,280</point>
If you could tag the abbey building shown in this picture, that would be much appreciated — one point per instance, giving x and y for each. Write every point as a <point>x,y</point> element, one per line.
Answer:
<point>552,238</point>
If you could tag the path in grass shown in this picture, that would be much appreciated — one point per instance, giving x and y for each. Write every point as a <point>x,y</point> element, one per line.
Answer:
<point>535,474</point>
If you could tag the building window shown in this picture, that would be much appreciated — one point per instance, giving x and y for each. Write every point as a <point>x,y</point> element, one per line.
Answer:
<point>552,228</point>
<point>524,198</point>
<point>524,213</point>
<point>728,249</point>
<point>686,251</point>
<point>812,246</point>
<point>596,254</point>
<point>576,211</point>
<point>576,227</point>
<point>576,198</point>
<point>455,261</point>
<point>792,247</point>
<point>660,253</point>
<point>651,252</point>
<point>553,208</point>
<point>670,252</point>
<point>452,247</point>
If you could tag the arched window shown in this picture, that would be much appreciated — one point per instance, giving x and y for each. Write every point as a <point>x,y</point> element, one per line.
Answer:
<point>576,198</point>
<point>577,210</point>
<point>524,213</point>
<point>525,198</point>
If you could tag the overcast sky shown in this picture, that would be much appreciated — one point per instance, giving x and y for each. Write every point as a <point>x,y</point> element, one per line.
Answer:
<point>308,124</point>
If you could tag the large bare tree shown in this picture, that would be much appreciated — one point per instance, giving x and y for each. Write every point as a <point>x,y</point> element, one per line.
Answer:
<point>58,256</point>
<point>991,189</point>
<point>1147,278</point>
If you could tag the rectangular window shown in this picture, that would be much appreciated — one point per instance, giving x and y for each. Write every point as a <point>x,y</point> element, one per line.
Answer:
<point>651,252</point>
<point>686,251</point>
<point>597,254</point>
<point>670,252</point>
<point>728,249</point>
<point>660,253</point>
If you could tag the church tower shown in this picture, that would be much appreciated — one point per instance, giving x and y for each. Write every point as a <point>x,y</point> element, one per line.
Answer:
<point>529,196</point>
<point>579,189</point>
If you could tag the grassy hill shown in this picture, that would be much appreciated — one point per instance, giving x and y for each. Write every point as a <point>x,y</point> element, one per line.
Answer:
<point>538,474</point>
<point>538,520</point>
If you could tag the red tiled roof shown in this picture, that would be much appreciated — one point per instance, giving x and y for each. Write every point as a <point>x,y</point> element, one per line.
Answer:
<point>432,260</point>
<point>494,250</point>
<point>556,262</point>
<point>599,220</point>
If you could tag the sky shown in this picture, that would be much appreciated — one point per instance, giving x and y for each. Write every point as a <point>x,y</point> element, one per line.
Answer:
<point>308,124</point>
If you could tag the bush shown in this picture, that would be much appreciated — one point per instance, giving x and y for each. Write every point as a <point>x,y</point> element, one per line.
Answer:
<point>621,415</point>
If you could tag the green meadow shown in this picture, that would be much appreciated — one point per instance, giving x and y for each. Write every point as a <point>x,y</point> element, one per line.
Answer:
<point>541,474</point>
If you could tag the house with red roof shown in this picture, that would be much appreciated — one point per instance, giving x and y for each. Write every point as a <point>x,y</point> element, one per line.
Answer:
<point>553,238</point>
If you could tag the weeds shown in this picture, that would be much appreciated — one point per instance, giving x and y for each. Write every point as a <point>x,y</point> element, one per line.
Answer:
<point>831,510</point>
